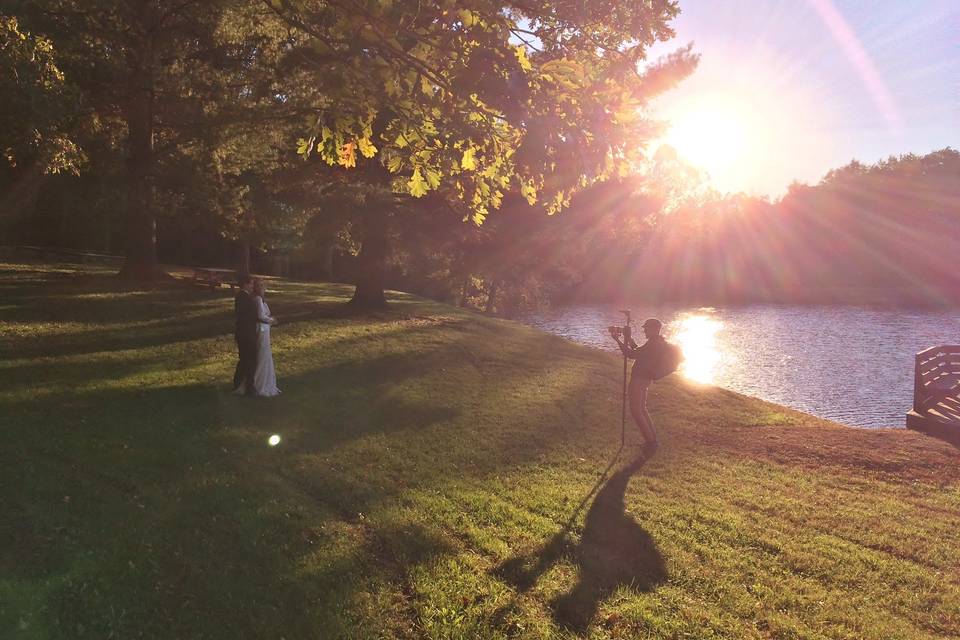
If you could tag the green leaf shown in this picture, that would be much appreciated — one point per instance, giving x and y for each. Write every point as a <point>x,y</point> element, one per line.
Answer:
<point>529,191</point>
<point>394,164</point>
<point>366,147</point>
<point>467,17</point>
<point>433,178</point>
<point>425,86</point>
<point>522,58</point>
<point>417,185</point>
<point>469,161</point>
<point>390,86</point>
<point>304,146</point>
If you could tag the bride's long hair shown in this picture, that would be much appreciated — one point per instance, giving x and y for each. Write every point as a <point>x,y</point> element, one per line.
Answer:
<point>258,288</point>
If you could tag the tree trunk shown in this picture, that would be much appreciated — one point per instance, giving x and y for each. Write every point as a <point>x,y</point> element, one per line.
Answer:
<point>492,296</point>
<point>141,231</point>
<point>19,200</point>
<point>371,271</point>
<point>326,261</point>
<point>464,289</point>
<point>243,256</point>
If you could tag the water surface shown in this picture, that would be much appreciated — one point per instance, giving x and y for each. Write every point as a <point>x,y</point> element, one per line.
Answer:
<point>853,365</point>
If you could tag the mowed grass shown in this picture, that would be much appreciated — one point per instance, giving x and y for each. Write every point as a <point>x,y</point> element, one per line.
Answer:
<point>440,475</point>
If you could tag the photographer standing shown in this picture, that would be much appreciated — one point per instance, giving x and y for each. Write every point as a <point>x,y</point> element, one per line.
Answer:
<point>652,361</point>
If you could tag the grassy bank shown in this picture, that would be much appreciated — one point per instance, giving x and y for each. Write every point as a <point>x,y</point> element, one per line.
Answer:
<point>440,475</point>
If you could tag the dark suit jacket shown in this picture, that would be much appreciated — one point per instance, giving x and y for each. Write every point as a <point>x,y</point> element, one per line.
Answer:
<point>245,310</point>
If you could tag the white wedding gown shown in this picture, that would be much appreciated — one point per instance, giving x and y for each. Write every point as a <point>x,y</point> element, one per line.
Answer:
<point>265,376</point>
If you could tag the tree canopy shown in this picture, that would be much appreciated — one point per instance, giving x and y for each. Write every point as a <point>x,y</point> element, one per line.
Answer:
<point>463,102</point>
<point>475,99</point>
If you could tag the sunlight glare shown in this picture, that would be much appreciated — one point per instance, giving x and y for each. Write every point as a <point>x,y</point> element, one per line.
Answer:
<point>697,337</point>
<point>715,134</point>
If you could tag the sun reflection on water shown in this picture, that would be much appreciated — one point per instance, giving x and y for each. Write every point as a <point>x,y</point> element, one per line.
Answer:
<point>696,334</point>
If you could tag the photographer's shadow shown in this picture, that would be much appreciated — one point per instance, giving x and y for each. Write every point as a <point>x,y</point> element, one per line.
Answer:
<point>614,551</point>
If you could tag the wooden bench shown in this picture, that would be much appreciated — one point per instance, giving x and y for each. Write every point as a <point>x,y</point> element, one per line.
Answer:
<point>936,387</point>
<point>213,277</point>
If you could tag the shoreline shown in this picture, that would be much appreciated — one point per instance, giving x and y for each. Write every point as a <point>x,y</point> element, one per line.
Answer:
<point>850,365</point>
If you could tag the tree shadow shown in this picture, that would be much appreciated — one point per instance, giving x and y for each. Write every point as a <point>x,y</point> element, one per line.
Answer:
<point>613,551</point>
<point>165,326</point>
<point>106,314</point>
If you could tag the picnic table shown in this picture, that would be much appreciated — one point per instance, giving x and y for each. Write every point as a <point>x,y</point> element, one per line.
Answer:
<point>214,277</point>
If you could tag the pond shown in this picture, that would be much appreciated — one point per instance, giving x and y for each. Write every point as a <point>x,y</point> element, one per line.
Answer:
<point>849,364</point>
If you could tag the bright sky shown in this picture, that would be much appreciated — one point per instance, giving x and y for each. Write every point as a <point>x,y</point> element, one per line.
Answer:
<point>788,89</point>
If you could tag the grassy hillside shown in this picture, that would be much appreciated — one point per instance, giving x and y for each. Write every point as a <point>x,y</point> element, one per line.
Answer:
<point>440,475</point>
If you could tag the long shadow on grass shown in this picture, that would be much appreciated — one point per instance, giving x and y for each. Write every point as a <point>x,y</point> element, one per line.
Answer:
<point>614,551</point>
<point>305,387</point>
<point>152,318</point>
<point>167,329</point>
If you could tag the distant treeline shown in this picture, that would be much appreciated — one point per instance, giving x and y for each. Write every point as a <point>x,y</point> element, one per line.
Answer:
<point>887,233</point>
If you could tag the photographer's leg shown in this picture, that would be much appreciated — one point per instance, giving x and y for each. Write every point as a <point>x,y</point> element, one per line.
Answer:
<point>638,409</point>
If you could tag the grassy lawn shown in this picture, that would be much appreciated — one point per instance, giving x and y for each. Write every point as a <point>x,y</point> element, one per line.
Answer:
<point>440,475</point>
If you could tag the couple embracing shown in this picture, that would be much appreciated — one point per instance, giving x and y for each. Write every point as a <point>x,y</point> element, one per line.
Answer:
<point>255,374</point>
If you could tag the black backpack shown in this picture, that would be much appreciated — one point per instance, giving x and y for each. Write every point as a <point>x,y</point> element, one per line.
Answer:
<point>669,361</point>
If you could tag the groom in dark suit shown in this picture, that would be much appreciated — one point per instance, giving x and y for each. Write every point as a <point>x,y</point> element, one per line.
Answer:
<point>245,333</point>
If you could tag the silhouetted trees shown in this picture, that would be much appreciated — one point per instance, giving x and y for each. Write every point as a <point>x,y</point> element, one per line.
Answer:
<point>886,233</point>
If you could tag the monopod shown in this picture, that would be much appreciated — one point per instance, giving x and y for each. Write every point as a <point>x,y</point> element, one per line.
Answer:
<point>623,409</point>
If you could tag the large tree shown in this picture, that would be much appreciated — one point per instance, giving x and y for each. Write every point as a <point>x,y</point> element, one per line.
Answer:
<point>168,81</point>
<point>37,117</point>
<point>471,100</point>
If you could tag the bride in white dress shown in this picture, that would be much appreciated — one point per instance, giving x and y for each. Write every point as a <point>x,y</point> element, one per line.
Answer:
<point>265,376</point>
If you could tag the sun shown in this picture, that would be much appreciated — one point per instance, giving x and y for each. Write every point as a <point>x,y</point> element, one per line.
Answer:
<point>717,134</point>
